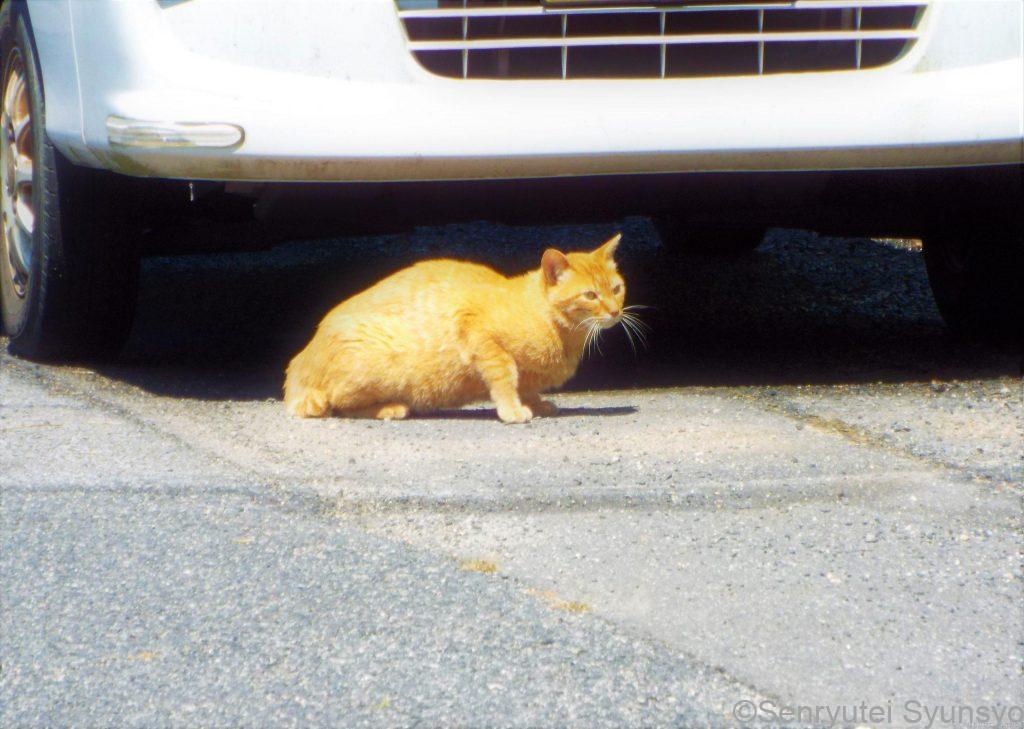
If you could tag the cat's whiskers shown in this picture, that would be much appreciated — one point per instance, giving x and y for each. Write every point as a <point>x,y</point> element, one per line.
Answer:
<point>636,330</point>
<point>636,333</point>
<point>597,336</point>
<point>588,340</point>
<point>593,325</point>
<point>584,322</point>
<point>626,326</point>
<point>634,326</point>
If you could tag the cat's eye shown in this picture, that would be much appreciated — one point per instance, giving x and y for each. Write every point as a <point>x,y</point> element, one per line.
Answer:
<point>617,290</point>
<point>589,295</point>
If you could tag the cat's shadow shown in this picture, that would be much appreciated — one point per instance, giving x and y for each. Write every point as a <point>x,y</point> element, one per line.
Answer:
<point>491,414</point>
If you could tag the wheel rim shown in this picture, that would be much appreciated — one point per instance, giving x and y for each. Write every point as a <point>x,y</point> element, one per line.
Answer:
<point>16,167</point>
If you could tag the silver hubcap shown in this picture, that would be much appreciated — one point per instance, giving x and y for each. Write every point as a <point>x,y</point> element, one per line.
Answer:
<point>16,166</point>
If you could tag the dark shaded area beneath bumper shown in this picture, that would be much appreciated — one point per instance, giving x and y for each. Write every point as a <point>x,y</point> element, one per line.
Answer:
<point>214,216</point>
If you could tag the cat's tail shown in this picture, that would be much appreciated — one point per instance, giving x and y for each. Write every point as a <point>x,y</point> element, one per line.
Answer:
<point>301,400</point>
<point>306,403</point>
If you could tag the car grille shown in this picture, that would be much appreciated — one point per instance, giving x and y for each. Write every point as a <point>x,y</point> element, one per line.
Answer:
<point>525,39</point>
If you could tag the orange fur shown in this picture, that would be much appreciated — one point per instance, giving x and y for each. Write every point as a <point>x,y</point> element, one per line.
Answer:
<point>441,334</point>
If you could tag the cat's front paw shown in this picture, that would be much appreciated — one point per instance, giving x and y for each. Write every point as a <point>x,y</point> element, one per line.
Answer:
<point>514,413</point>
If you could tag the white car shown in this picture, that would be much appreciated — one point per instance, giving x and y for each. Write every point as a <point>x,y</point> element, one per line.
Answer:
<point>124,117</point>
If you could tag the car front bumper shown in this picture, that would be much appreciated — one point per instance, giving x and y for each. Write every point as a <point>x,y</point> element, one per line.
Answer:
<point>348,109</point>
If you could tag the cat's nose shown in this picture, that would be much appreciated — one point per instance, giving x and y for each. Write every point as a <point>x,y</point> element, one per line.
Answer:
<point>614,313</point>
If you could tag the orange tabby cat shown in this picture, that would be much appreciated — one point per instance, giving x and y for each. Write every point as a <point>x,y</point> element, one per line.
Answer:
<point>444,333</point>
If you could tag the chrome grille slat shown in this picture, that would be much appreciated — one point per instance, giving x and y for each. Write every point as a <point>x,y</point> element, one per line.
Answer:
<point>539,10</point>
<point>658,40</point>
<point>860,41</point>
<point>527,39</point>
<point>760,42</point>
<point>664,46</point>
<point>465,36</point>
<point>565,48</point>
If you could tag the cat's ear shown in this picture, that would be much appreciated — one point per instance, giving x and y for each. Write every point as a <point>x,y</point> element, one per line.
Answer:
<point>553,264</point>
<point>607,250</point>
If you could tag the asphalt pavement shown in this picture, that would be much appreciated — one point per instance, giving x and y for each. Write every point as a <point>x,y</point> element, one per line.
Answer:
<point>801,494</point>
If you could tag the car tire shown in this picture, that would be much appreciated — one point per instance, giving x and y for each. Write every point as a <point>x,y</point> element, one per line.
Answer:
<point>69,264</point>
<point>708,239</point>
<point>977,277</point>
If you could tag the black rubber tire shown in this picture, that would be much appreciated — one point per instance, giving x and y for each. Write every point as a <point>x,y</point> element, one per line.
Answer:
<point>977,277</point>
<point>83,283</point>
<point>708,239</point>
